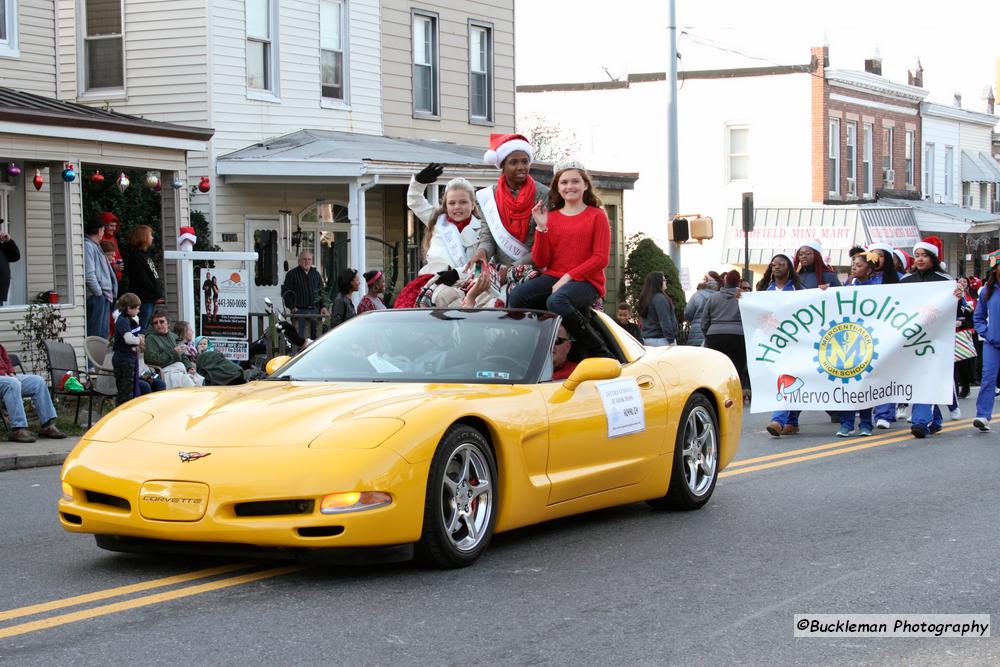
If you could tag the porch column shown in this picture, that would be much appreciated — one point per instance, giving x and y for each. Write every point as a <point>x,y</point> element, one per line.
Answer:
<point>67,233</point>
<point>173,206</point>
<point>356,211</point>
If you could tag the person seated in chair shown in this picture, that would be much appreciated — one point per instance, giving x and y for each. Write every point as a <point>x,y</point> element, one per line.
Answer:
<point>14,389</point>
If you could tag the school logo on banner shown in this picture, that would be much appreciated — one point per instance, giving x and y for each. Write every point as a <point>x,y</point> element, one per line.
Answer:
<point>849,347</point>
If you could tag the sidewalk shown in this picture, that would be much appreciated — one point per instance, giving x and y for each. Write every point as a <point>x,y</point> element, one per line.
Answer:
<point>43,452</point>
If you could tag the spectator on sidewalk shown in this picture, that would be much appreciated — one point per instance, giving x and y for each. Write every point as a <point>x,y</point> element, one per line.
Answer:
<point>659,321</point>
<point>102,286</point>
<point>14,389</point>
<point>141,275</point>
<point>624,318</point>
<point>8,255</point>
<point>303,292</point>
<point>696,306</point>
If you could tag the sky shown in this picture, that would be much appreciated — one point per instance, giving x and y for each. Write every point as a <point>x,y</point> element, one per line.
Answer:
<point>594,40</point>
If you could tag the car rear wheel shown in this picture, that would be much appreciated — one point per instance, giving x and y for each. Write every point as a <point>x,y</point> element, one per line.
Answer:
<point>460,510</point>
<point>695,466</point>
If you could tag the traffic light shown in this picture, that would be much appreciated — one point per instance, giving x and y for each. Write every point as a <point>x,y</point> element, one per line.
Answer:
<point>679,230</point>
<point>686,227</point>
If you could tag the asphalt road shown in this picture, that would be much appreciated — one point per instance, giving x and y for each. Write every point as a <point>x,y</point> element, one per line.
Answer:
<point>859,527</point>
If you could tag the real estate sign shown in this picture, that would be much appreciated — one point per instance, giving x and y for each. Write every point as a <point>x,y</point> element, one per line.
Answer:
<point>224,313</point>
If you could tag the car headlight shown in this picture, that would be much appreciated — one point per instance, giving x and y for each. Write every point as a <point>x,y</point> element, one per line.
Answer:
<point>353,501</point>
<point>362,433</point>
<point>119,426</point>
<point>67,492</point>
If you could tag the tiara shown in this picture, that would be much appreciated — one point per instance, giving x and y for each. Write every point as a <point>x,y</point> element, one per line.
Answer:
<point>568,164</point>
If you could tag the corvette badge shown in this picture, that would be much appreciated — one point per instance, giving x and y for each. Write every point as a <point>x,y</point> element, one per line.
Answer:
<point>192,456</point>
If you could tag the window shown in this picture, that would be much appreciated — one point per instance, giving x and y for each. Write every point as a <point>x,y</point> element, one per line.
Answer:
<point>738,151</point>
<point>8,28</point>
<point>949,164</point>
<point>260,45</point>
<point>887,137</point>
<point>909,157</point>
<point>928,171</point>
<point>866,159</point>
<point>851,157</point>
<point>833,157</point>
<point>480,72</point>
<point>331,44</point>
<point>103,54</point>
<point>425,68</point>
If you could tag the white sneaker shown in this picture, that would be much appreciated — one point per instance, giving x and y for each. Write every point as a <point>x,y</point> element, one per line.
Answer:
<point>981,423</point>
<point>956,414</point>
<point>882,423</point>
<point>901,413</point>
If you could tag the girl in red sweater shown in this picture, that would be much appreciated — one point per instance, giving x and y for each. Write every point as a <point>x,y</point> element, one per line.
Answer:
<point>573,243</point>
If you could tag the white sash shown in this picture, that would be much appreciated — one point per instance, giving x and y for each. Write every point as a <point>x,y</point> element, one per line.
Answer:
<point>505,241</point>
<point>452,240</point>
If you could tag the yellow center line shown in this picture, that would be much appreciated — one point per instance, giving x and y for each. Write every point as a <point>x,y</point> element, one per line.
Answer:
<point>156,598</point>
<point>831,445</point>
<point>845,450</point>
<point>120,590</point>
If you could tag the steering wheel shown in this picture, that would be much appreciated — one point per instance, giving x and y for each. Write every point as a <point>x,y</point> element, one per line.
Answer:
<point>513,363</point>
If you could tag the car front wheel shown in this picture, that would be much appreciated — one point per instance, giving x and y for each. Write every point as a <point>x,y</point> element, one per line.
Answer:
<point>460,510</point>
<point>695,466</point>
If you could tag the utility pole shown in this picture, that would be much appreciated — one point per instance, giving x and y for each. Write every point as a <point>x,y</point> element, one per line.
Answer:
<point>673,189</point>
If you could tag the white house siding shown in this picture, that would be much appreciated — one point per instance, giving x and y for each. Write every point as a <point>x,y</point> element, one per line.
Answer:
<point>625,130</point>
<point>453,30</point>
<point>976,138</point>
<point>34,70</point>
<point>942,132</point>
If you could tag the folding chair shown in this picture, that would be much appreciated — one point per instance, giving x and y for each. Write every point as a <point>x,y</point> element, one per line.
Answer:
<point>61,359</point>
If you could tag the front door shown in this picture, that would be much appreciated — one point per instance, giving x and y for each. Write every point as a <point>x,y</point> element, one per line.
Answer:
<point>582,458</point>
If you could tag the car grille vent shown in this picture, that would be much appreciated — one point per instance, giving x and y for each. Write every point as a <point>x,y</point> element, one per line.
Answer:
<point>275,507</point>
<point>320,531</point>
<point>99,498</point>
<point>75,519</point>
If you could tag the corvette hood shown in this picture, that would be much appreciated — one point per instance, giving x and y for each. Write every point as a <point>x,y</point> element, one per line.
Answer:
<point>274,414</point>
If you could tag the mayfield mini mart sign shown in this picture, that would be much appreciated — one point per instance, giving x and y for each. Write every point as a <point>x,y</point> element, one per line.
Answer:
<point>790,238</point>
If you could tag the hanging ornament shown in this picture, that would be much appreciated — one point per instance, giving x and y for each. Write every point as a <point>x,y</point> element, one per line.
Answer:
<point>97,178</point>
<point>151,179</point>
<point>37,180</point>
<point>69,175</point>
<point>13,169</point>
<point>177,183</point>
<point>204,185</point>
<point>158,187</point>
<point>123,182</point>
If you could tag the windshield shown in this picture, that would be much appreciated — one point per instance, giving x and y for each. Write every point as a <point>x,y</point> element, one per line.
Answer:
<point>486,346</point>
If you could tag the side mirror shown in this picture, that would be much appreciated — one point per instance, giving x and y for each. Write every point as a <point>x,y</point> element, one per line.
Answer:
<point>276,363</point>
<point>597,368</point>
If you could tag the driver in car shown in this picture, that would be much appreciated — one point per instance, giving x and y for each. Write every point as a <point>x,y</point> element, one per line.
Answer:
<point>562,367</point>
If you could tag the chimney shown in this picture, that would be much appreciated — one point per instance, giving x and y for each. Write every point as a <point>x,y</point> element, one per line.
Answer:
<point>873,65</point>
<point>988,99</point>
<point>958,100</point>
<point>916,76</point>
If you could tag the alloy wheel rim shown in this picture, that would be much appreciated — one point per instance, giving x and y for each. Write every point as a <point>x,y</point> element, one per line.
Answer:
<point>700,455</point>
<point>466,497</point>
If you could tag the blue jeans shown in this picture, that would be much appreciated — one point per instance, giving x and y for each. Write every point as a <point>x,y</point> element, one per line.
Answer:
<point>864,419</point>
<point>987,395</point>
<point>302,323</point>
<point>146,312</point>
<point>537,293</point>
<point>786,417</point>
<point>658,342</point>
<point>15,389</point>
<point>98,316</point>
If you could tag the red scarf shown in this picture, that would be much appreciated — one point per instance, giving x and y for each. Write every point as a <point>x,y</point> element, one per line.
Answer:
<point>515,212</point>
<point>461,225</point>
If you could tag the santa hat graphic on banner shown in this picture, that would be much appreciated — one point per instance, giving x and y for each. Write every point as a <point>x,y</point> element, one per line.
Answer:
<point>502,145</point>
<point>931,244</point>
<point>788,384</point>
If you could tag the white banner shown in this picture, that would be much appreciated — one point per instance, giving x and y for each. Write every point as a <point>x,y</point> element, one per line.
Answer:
<point>850,347</point>
<point>225,311</point>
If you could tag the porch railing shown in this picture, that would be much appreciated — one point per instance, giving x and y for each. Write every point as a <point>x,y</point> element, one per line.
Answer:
<point>273,338</point>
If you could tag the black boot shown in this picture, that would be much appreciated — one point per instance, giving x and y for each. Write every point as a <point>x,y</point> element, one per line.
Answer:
<point>587,341</point>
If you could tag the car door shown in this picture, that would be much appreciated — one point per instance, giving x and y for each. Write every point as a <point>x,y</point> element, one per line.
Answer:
<point>583,459</point>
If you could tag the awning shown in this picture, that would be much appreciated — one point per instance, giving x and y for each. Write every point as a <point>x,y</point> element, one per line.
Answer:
<point>330,156</point>
<point>948,218</point>
<point>979,167</point>
<point>838,228</point>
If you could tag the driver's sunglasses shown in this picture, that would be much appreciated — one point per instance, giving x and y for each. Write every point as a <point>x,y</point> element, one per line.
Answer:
<point>562,341</point>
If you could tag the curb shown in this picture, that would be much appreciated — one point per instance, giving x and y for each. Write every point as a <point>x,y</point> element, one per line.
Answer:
<point>16,462</point>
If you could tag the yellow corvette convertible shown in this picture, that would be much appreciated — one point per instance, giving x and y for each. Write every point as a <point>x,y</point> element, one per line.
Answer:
<point>406,431</point>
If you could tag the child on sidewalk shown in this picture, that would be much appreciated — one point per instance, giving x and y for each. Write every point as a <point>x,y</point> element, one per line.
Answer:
<point>128,338</point>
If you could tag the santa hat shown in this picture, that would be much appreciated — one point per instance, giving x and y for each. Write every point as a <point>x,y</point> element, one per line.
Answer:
<point>502,145</point>
<point>814,244</point>
<point>107,217</point>
<point>880,246</point>
<point>931,244</point>
<point>186,234</point>
<point>788,384</point>
<point>904,258</point>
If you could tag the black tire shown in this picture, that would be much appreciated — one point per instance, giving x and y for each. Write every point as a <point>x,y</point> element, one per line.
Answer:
<point>698,424</point>
<point>459,514</point>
